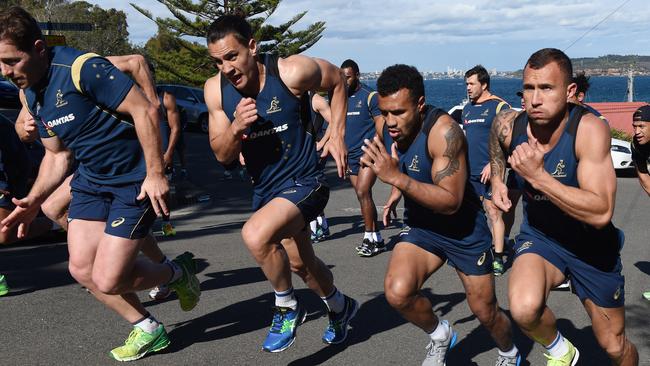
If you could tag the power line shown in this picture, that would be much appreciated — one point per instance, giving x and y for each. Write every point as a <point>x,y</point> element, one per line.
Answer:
<point>595,26</point>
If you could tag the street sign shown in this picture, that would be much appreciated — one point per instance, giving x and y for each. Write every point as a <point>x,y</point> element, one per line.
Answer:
<point>50,26</point>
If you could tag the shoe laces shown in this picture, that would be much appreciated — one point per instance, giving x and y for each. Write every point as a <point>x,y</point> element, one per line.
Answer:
<point>506,361</point>
<point>438,350</point>
<point>554,361</point>
<point>279,315</point>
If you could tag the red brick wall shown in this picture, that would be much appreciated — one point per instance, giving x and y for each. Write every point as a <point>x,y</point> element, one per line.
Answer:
<point>619,114</point>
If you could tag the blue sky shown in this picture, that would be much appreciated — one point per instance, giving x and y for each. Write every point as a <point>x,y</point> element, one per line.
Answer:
<point>435,34</point>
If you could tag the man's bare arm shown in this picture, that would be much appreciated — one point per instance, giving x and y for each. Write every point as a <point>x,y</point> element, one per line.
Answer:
<point>174,121</point>
<point>225,137</point>
<point>136,66</point>
<point>644,179</point>
<point>500,136</point>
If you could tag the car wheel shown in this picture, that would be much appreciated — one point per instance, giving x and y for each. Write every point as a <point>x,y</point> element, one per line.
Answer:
<point>203,123</point>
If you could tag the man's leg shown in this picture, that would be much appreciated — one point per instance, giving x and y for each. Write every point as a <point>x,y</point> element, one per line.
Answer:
<point>304,263</point>
<point>362,184</point>
<point>483,303</point>
<point>497,229</point>
<point>409,267</point>
<point>609,328</point>
<point>56,205</point>
<point>530,282</point>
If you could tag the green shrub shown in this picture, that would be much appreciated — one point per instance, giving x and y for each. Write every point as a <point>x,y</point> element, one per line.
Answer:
<point>621,135</point>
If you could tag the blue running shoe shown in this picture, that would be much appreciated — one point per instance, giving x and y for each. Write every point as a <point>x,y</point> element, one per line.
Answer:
<point>283,328</point>
<point>337,329</point>
<point>437,350</point>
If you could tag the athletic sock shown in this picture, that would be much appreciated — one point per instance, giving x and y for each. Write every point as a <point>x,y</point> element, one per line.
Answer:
<point>441,332</point>
<point>367,235</point>
<point>335,301</point>
<point>286,299</point>
<point>376,236</point>
<point>147,323</point>
<point>313,225</point>
<point>322,221</point>
<point>558,347</point>
<point>177,272</point>
<point>512,353</point>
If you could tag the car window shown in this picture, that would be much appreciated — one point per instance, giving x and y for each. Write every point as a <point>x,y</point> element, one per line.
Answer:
<point>184,94</point>
<point>198,93</point>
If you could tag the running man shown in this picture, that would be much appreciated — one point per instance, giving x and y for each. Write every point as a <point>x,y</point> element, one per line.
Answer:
<point>478,115</point>
<point>641,151</point>
<point>427,164</point>
<point>255,105</point>
<point>119,187</point>
<point>361,123</point>
<point>560,153</point>
<point>320,117</point>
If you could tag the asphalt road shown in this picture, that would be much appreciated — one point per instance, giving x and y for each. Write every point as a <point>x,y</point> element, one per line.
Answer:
<point>48,319</point>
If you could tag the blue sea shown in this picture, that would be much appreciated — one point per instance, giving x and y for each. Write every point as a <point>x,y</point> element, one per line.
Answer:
<point>446,93</point>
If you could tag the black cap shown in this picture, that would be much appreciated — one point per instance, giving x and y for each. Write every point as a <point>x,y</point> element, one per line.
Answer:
<point>520,94</point>
<point>642,114</point>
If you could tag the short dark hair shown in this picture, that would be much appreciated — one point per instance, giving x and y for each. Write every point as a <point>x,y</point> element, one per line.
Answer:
<point>400,76</point>
<point>351,64</point>
<point>230,24</point>
<point>20,28</point>
<point>582,81</point>
<point>481,74</point>
<point>545,56</point>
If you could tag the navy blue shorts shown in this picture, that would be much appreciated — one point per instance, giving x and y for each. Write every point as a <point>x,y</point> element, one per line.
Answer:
<point>354,161</point>
<point>605,289</point>
<point>483,191</point>
<point>310,195</point>
<point>474,259</point>
<point>124,215</point>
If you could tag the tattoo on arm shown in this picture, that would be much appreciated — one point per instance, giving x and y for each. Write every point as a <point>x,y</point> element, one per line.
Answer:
<point>501,129</point>
<point>454,139</point>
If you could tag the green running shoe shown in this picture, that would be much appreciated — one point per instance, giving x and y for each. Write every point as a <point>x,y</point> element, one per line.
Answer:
<point>569,359</point>
<point>139,343</point>
<point>646,295</point>
<point>4,288</point>
<point>498,267</point>
<point>187,287</point>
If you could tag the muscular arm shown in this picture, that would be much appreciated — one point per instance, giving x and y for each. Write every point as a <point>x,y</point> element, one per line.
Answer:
<point>500,138</point>
<point>225,138</point>
<point>136,66</point>
<point>53,170</point>
<point>448,149</point>
<point>644,179</point>
<point>174,121</point>
<point>593,201</point>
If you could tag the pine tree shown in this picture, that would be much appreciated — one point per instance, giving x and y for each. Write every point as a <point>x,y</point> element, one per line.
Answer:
<point>179,60</point>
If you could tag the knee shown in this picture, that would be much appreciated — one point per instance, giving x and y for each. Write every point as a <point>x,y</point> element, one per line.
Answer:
<point>52,211</point>
<point>106,284</point>
<point>81,273</point>
<point>299,267</point>
<point>363,194</point>
<point>485,312</point>
<point>613,344</point>
<point>399,293</point>
<point>525,310</point>
<point>253,237</point>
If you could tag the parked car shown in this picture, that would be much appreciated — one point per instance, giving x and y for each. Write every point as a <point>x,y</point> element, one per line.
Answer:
<point>621,152</point>
<point>191,105</point>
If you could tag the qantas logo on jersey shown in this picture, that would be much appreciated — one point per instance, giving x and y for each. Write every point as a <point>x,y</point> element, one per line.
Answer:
<point>60,120</point>
<point>270,131</point>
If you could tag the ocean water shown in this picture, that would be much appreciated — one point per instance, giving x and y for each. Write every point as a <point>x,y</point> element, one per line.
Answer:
<point>446,93</point>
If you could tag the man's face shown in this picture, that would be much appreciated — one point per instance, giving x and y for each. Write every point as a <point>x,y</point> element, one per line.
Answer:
<point>401,116</point>
<point>351,79</point>
<point>474,88</point>
<point>24,69</point>
<point>641,132</point>
<point>546,92</point>
<point>235,60</point>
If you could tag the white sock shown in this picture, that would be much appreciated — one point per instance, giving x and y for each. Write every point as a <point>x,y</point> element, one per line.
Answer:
<point>313,225</point>
<point>376,236</point>
<point>148,323</point>
<point>286,299</point>
<point>177,272</point>
<point>322,221</point>
<point>558,347</point>
<point>441,332</point>
<point>512,353</point>
<point>367,235</point>
<point>335,301</point>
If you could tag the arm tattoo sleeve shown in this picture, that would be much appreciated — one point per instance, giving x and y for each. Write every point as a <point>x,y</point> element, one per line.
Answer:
<point>454,138</point>
<point>501,129</point>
